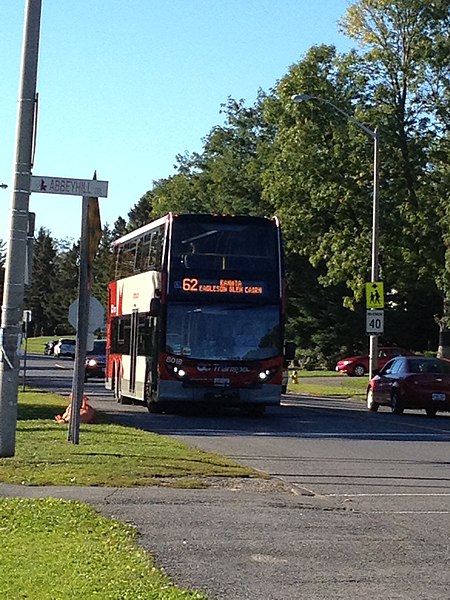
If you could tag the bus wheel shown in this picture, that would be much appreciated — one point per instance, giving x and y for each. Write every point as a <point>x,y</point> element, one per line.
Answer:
<point>116,388</point>
<point>118,391</point>
<point>150,395</point>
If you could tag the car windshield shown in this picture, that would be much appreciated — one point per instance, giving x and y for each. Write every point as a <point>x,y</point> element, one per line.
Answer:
<point>220,332</point>
<point>99,347</point>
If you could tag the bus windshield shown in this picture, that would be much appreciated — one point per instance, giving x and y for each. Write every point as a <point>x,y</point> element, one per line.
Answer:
<point>223,332</point>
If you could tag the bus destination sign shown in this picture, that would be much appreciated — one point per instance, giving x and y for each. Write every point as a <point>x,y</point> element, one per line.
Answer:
<point>219,286</point>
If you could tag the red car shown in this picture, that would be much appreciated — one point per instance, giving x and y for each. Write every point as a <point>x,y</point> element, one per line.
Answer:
<point>411,382</point>
<point>359,365</point>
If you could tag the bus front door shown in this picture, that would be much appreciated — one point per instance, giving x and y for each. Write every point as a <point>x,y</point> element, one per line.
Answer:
<point>133,349</point>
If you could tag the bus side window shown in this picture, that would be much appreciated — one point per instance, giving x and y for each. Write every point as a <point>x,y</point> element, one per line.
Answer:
<point>144,250</point>
<point>138,257</point>
<point>127,260</point>
<point>159,240</point>
<point>118,335</point>
<point>115,270</point>
<point>151,259</point>
<point>145,335</point>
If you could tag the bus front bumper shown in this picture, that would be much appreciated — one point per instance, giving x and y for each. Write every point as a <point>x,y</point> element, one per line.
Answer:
<point>175,391</point>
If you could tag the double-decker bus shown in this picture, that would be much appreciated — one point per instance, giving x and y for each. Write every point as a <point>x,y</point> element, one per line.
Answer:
<point>196,313</point>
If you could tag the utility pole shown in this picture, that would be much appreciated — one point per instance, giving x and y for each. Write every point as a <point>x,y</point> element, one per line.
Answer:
<point>12,308</point>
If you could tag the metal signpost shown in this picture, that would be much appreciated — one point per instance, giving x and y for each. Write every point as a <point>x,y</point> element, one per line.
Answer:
<point>374,319</point>
<point>85,312</point>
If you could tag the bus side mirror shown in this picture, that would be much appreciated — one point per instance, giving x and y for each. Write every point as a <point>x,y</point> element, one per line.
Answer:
<point>155,307</point>
<point>289,350</point>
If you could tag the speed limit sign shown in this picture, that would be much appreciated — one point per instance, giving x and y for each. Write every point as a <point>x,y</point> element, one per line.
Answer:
<point>374,322</point>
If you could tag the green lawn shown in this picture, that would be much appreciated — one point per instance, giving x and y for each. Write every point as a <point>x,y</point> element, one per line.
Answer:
<point>108,454</point>
<point>340,385</point>
<point>56,549</point>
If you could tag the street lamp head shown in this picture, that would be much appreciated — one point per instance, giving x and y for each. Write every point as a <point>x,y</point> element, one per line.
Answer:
<point>301,97</point>
<point>3,186</point>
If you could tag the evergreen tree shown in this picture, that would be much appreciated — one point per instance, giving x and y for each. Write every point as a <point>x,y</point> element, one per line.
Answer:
<point>102,267</point>
<point>39,295</point>
<point>119,229</point>
<point>66,284</point>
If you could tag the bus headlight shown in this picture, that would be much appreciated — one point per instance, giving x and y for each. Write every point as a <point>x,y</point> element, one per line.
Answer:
<point>266,374</point>
<point>178,372</point>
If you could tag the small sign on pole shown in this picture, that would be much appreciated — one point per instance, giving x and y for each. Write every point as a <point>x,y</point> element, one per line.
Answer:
<point>375,294</point>
<point>374,322</point>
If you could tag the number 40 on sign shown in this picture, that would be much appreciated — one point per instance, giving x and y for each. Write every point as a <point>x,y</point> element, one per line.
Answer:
<point>374,322</point>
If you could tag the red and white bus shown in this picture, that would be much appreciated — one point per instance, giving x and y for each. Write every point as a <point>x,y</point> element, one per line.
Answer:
<point>196,313</point>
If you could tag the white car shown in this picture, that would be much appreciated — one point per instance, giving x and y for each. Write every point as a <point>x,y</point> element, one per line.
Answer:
<point>65,347</point>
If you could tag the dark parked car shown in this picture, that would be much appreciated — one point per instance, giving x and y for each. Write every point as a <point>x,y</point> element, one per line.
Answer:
<point>359,365</point>
<point>95,363</point>
<point>411,382</point>
<point>65,347</point>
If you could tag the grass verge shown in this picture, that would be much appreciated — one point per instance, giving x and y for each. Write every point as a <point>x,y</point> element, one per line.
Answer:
<point>107,455</point>
<point>353,387</point>
<point>51,548</point>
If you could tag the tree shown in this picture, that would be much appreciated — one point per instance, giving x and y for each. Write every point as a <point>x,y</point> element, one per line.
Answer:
<point>319,175</point>
<point>102,267</point>
<point>40,295</point>
<point>140,214</point>
<point>66,284</point>
<point>225,177</point>
<point>119,228</point>
<point>407,46</point>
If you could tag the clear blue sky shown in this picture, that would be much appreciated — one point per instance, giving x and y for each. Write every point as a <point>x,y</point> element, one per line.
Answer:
<point>126,85</point>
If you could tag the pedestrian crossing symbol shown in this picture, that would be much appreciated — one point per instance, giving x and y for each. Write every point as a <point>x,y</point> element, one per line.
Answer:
<point>374,294</point>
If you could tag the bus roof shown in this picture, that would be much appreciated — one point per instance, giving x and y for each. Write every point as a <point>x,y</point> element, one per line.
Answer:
<point>188,217</point>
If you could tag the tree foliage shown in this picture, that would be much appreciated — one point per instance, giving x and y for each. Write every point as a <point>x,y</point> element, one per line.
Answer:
<point>41,295</point>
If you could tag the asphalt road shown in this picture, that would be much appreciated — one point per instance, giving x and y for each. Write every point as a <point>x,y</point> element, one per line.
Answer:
<point>358,507</point>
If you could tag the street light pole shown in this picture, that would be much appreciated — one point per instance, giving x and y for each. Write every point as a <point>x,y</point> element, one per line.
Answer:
<point>374,271</point>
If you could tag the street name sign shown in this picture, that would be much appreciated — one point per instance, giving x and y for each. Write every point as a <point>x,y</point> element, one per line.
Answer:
<point>69,187</point>
<point>374,322</point>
